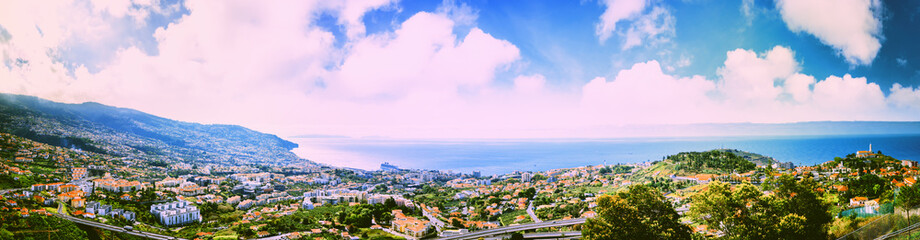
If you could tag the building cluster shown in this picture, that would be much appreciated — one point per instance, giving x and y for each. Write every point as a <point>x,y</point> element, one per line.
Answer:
<point>94,209</point>
<point>335,196</point>
<point>409,225</point>
<point>176,213</point>
<point>117,185</point>
<point>263,199</point>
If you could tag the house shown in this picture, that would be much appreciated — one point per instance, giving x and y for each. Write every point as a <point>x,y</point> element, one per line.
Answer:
<point>103,210</point>
<point>865,154</point>
<point>858,201</point>
<point>908,163</point>
<point>129,215</point>
<point>91,207</point>
<point>117,212</point>
<point>589,214</point>
<point>77,202</point>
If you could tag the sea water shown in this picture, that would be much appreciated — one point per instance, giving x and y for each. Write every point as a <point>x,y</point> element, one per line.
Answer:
<point>505,156</point>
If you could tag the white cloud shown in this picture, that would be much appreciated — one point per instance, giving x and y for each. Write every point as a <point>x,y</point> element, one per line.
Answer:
<point>422,54</point>
<point>901,62</point>
<point>617,10</point>
<point>644,94</point>
<point>529,84</point>
<point>799,87</point>
<point>850,98</point>
<point>646,23</point>
<point>656,26</point>
<point>266,65</point>
<point>750,80</point>
<point>850,26</point>
<point>351,12</point>
<point>905,98</point>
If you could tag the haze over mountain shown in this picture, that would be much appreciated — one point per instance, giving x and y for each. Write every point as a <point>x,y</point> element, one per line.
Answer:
<point>131,133</point>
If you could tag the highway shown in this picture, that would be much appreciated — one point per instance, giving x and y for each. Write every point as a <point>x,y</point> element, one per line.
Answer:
<point>114,228</point>
<point>515,228</point>
<point>542,235</point>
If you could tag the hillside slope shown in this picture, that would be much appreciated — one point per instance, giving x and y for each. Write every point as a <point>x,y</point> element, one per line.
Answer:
<point>131,133</point>
<point>720,161</point>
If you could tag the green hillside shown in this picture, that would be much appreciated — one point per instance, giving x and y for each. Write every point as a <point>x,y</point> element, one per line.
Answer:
<point>719,161</point>
<point>130,133</point>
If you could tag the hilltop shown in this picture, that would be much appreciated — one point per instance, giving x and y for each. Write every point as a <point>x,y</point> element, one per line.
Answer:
<point>719,161</point>
<point>130,133</point>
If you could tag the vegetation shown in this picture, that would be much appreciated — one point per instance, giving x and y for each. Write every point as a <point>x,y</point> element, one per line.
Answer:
<point>38,227</point>
<point>868,185</point>
<point>616,169</point>
<point>794,211</point>
<point>640,212</point>
<point>700,162</point>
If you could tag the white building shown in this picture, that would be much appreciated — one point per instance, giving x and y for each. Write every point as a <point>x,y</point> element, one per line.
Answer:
<point>176,213</point>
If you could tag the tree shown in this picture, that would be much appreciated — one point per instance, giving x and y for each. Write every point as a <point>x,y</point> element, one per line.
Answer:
<point>794,212</point>
<point>517,236</point>
<point>456,223</point>
<point>389,203</point>
<point>908,197</point>
<point>528,193</point>
<point>641,212</point>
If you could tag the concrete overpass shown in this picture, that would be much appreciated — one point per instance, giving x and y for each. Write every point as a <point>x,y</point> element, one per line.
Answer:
<point>116,229</point>
<point>542,236</point>
<point>516,228</point>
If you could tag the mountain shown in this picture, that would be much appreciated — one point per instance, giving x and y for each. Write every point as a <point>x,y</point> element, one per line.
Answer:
<point>130,133</point>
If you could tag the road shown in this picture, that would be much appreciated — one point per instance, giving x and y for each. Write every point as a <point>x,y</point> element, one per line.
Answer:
<point>542,235</point>
<point>434,220</point>
<point>5,191</point>
<point>515,228</point>
<point>533,216</point>
<point>114,228</point>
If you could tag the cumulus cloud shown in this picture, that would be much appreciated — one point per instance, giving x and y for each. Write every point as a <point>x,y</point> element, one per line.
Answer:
<point>853,27</point>
<point>422,54</point>
<point>529,84</point>
<point>644,94</point>
<point>751,87</point>
<point>351,12</point>
<point>268,66</point>
<point>905,98</point>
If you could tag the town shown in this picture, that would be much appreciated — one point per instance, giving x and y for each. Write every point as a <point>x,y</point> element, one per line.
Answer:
<point>211,201</point>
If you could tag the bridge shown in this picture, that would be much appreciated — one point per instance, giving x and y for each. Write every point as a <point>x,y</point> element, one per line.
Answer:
<point>517,228</point>
<point>115,229</point>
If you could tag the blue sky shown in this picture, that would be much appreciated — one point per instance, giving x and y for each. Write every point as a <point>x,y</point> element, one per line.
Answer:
<point>555,35</point>
<point>471,69</point>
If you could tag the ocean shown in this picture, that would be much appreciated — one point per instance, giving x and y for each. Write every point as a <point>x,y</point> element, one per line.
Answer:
<point>505,156</point>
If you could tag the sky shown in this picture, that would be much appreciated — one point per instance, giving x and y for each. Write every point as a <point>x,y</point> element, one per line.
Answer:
<point>470,69</point>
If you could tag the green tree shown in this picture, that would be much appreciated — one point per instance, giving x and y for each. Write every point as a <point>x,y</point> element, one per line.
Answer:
<point>794,212</point>
<point>517,236</point>
<point>640,212</point>
<point>908,198</point>
<point>528,193</point>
